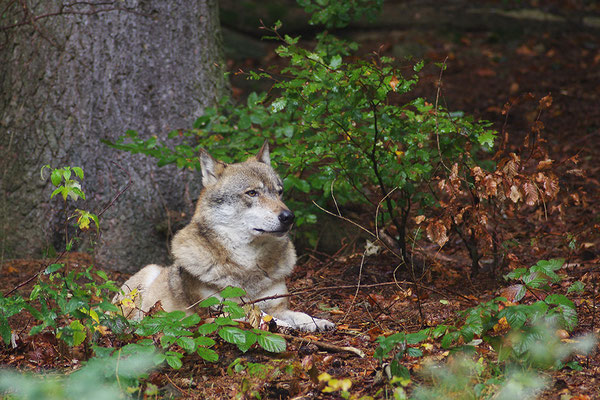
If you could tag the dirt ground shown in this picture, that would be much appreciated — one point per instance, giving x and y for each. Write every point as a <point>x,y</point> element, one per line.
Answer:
<point>485,70</point>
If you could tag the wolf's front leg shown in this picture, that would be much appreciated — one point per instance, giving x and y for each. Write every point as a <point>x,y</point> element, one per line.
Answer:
<point>285,317</point>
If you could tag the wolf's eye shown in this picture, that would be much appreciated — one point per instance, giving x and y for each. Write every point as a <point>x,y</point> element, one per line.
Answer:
<point>252,193</point>
<point>280,192</point>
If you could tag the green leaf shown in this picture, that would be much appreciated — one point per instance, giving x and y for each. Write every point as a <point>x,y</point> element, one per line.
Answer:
<point>36,329</point>
<point>279,104</point>
<point>102,274</point>
<point>336,61</point>
<point>417,337</point>
<point>53,268</point>
<point>209,302</point>
<point>223,321</point>
<point>209,328</point>
<point>272,343</point>
<point>487,138</point>
<point>514,317</point>
<point>174,359</point>
<point>56,177</point>
<point>233,335</point>
<point>79,172</point>
<point>207,354</point>
<point>204,341</point>
<point>576,287</point>
<point>108,306</point>
<point>552,265</point>
<point>448,339</point>
<point>79,333</point>
<point>186,343</point>
<point>5,331</point>
<point>414,352</point>
<point>57,191</point>
<point>559,299</point>
<point>229,292</point>
<point>233,309</point>
<point>191,320</point>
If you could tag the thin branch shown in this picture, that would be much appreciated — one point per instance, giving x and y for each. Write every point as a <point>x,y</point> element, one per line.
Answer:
<point>324,345</point>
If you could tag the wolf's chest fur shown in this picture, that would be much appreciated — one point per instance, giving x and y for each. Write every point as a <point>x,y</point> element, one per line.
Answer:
<point>201,255</point>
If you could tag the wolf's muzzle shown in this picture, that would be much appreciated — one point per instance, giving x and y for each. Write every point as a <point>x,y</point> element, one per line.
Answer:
<point>286,217</point>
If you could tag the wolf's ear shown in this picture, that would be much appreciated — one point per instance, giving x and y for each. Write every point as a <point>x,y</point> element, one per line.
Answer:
<point>211,168</point>
<point>263,155</point>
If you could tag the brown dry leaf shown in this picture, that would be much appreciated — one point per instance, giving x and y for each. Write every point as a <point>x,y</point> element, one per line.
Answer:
<point>549,184</point>
<point>491,186</point>
<point>576,172</point>
<point>515,194</point>
<point>511,168</point>
<point>531,193</point>
<point>394,83</point>
<point>419,219</point>
<point>544,165</point>
<point>477,173</point>
<point>437,233</point>
<point>546,102</point>
<point>458,217</point>
<point>510,293</point>
<point>454,172</point>
<point>575,198</point>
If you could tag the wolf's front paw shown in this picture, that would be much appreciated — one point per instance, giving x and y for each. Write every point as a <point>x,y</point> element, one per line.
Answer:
<point>304,322</point>
<point>322,325</point>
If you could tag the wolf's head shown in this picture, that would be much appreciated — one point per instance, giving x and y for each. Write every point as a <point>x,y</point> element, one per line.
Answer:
<point>243,199</point>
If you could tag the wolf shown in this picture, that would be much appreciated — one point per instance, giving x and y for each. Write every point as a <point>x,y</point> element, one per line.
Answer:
<point>238,236</point>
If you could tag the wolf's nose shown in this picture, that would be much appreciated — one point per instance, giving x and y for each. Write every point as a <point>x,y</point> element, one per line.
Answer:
<point>286,217</point>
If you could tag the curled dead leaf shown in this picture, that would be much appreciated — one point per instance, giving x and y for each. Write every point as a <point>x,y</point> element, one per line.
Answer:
<point>437,233</point>
<point>515,194</point>
<point>544,165</point>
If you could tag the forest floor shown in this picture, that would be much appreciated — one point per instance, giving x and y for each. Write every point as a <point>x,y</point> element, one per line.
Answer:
<point>485,69</point>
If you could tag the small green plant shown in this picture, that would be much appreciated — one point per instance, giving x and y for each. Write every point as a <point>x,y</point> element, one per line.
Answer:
<point>72,304</point>
<point>178,331</point>
<point>524,336</point>
<point>68,187</point>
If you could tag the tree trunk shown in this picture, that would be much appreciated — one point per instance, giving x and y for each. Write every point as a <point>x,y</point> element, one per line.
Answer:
<point>71,75</point>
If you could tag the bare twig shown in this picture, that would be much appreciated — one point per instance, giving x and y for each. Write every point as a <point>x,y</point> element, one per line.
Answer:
<point>325,345</point>
<point>362,262</point>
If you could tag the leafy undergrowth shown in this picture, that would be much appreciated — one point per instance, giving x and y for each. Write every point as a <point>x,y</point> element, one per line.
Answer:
<point>379,308</point>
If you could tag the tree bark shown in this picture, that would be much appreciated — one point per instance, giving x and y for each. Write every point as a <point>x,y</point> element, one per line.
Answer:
<point>73,74</point>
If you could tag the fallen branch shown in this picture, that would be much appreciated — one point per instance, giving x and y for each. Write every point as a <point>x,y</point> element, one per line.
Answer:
<point>324,345</point>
